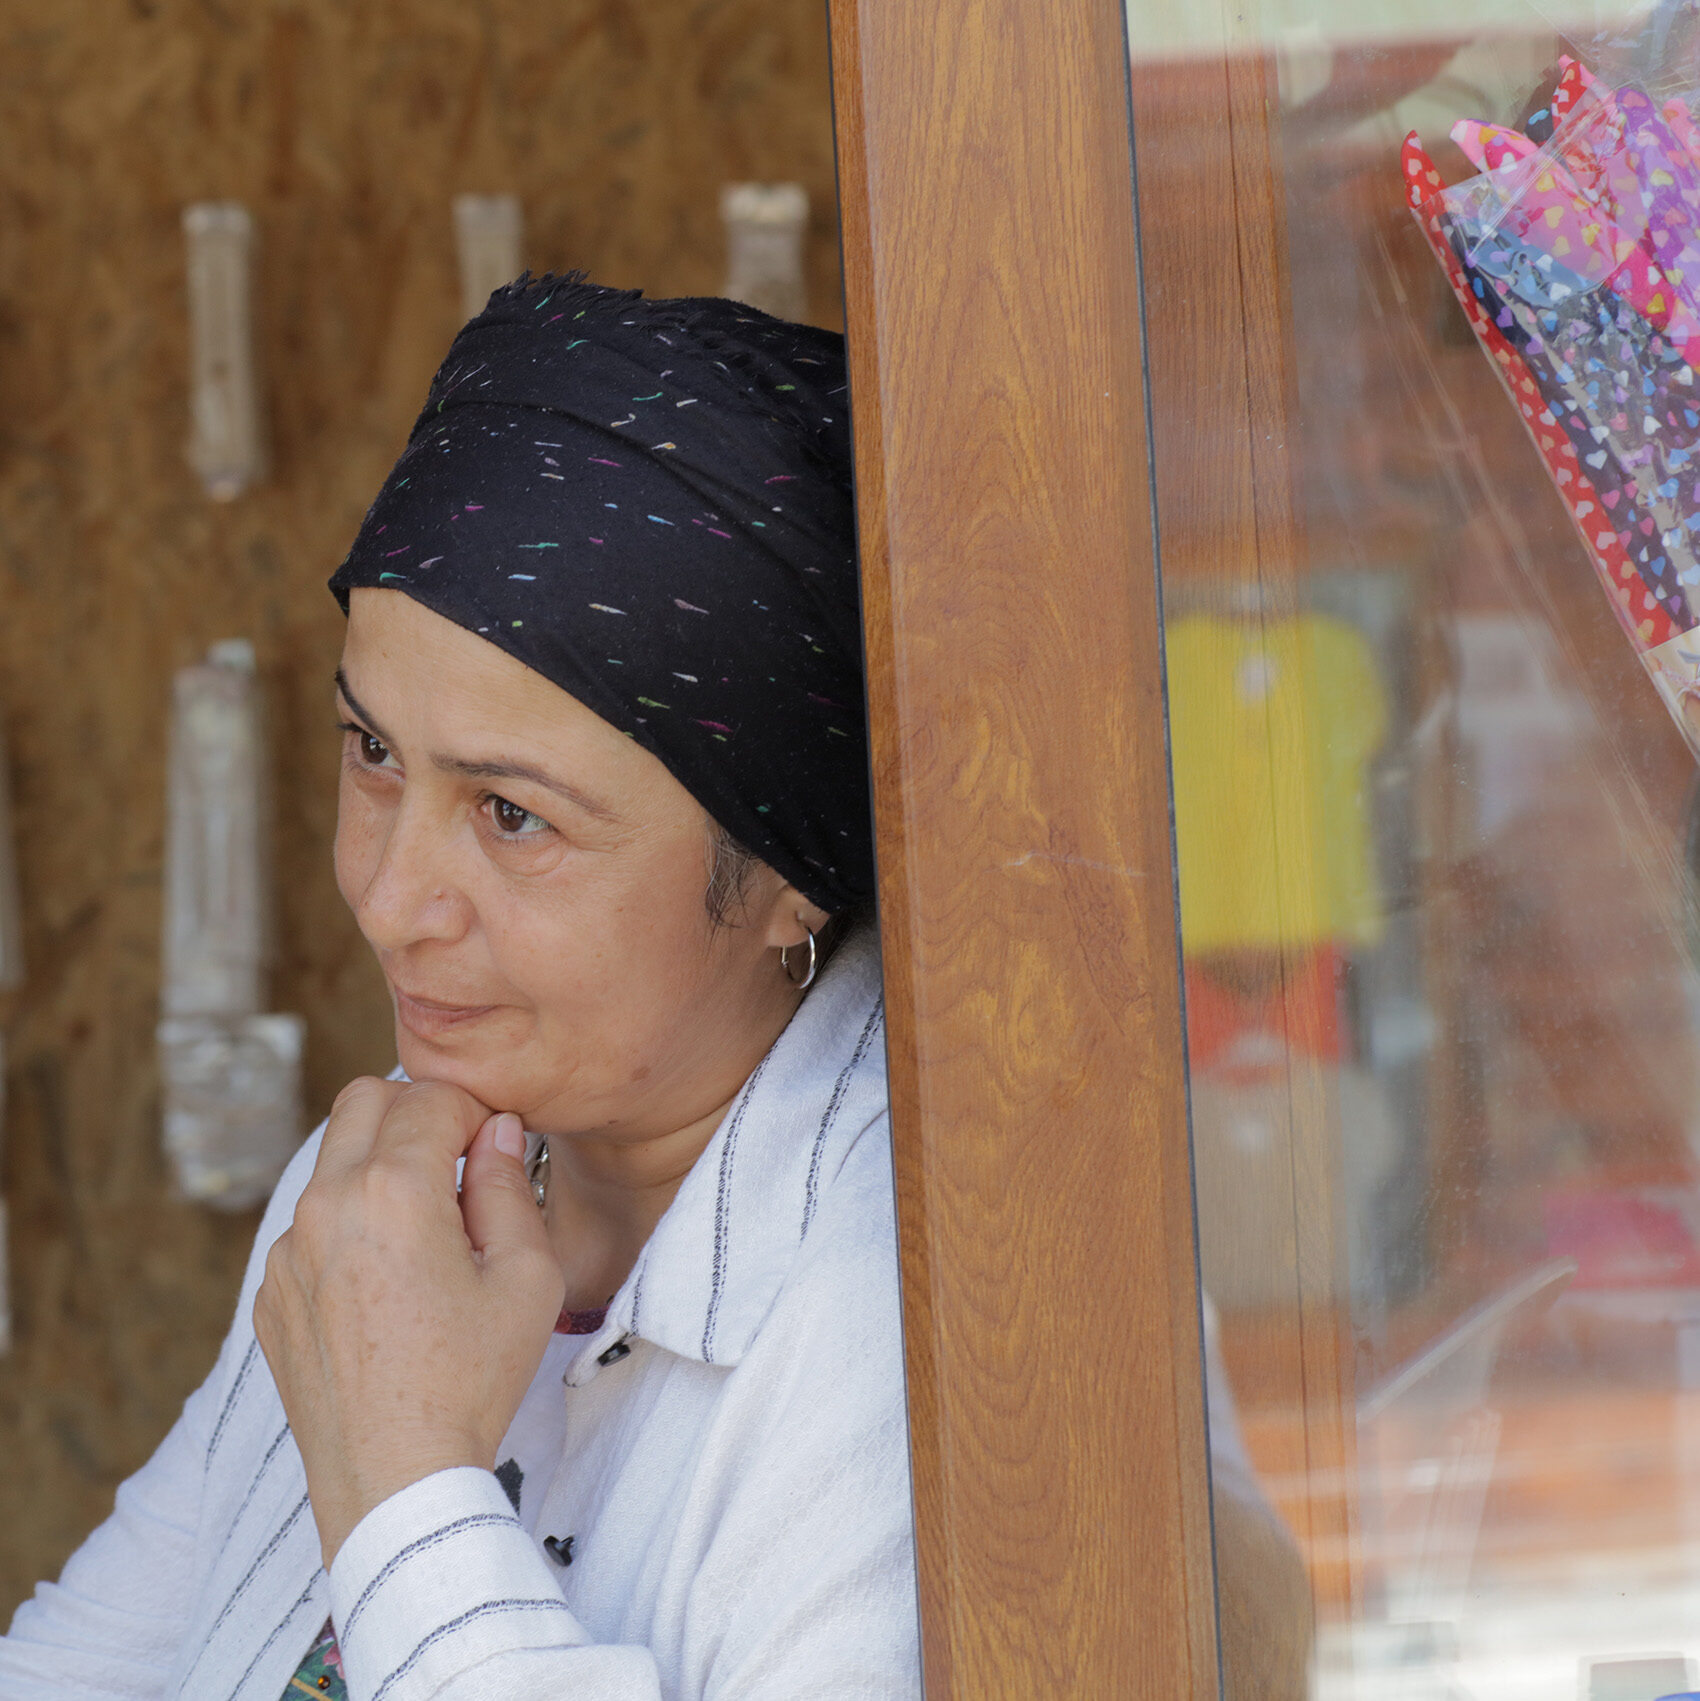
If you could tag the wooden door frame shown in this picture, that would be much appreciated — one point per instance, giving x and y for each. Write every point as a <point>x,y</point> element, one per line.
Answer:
<point>1025,851</point>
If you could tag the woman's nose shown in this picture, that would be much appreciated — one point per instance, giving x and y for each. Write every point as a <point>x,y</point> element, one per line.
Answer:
<point>411,895</point>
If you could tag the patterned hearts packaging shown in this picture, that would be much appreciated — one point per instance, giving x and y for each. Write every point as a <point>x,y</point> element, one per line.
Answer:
<point>1577,261</point>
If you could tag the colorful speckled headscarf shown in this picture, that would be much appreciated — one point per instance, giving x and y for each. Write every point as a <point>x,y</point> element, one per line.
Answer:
<point>649,502</point>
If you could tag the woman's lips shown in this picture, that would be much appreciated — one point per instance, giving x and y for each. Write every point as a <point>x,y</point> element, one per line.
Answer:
<point>430,1018</point>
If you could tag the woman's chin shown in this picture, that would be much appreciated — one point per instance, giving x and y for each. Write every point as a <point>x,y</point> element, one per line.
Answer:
<point>484,1070</point>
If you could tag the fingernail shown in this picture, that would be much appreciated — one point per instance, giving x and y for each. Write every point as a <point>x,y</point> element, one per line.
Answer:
<point>510,1135</point>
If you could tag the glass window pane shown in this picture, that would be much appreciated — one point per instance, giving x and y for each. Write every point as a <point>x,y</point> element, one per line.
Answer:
<point>1430,582</point>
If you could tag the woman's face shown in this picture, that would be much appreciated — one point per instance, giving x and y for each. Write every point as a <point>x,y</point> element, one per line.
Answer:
<point>533,884</point>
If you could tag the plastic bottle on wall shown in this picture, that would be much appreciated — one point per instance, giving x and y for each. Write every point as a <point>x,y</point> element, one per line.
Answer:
<point>488,240</point>
<point>216,928</point>
<point>226,438</point>
<point>231,1075</point>
<point>765,223</point>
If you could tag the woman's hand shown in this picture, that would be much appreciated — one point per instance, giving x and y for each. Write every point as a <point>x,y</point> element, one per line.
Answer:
<point>402,1325</point>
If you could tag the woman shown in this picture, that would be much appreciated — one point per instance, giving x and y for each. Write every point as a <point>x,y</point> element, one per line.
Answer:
<point>603,809</point>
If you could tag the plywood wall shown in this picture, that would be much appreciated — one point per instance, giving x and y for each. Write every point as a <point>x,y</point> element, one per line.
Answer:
<point>346,125</point>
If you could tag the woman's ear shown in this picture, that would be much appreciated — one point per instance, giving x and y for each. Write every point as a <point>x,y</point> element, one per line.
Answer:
<point>791,918</point>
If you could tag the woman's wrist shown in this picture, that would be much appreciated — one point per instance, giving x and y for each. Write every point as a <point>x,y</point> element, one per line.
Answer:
<point>344,1497</point>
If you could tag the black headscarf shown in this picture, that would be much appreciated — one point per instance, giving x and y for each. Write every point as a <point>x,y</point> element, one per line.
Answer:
<point>649,503</point>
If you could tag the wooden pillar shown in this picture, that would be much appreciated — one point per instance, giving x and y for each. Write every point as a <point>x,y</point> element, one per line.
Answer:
<point>1026,885</point>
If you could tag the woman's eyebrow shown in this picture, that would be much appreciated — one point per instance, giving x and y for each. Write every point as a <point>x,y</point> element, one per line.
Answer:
<point>500,770</point>
<point>487,770</point>
<point>361,712</point>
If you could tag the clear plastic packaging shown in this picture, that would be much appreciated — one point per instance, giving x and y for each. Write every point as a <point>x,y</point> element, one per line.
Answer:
<point>215,910</point>
<point>1575,253</point>
<point>230,1075</point>
<point>488,238</point>
<point>226,441</point>
<point>765,223</point>
<point>232,1090</point>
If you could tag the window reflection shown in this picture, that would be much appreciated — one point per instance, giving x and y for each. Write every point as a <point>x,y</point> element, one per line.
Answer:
<point>1436,853</point>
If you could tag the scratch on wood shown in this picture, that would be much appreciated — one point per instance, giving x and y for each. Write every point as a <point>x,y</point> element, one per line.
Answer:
<point>1076,862</point>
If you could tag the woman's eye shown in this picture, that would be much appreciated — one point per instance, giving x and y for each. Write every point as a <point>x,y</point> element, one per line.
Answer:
<point>373,752</point>
<point>514,822</point>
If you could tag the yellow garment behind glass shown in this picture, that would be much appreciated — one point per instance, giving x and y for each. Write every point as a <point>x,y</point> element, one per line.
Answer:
<point>1272,726</point>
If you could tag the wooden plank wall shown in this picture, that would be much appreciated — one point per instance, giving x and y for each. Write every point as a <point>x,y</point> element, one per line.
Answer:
<point>346,125</point>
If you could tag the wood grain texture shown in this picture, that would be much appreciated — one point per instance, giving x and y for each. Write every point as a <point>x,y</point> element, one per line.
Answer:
<point>1025,866</point>
<point>346,127</point>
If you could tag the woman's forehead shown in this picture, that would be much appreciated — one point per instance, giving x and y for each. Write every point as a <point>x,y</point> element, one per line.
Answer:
<point>416,678</point>
<point>398,644</point>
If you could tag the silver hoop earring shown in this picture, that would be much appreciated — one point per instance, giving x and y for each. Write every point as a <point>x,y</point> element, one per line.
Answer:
<point>537,1173</point>
<point>785,951</point>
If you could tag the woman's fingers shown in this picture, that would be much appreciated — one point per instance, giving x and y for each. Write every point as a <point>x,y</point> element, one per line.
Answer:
<point>353,1125</point>
<point>385,1296</point>
<point>502,1220</point>
<point>427,1129</point>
